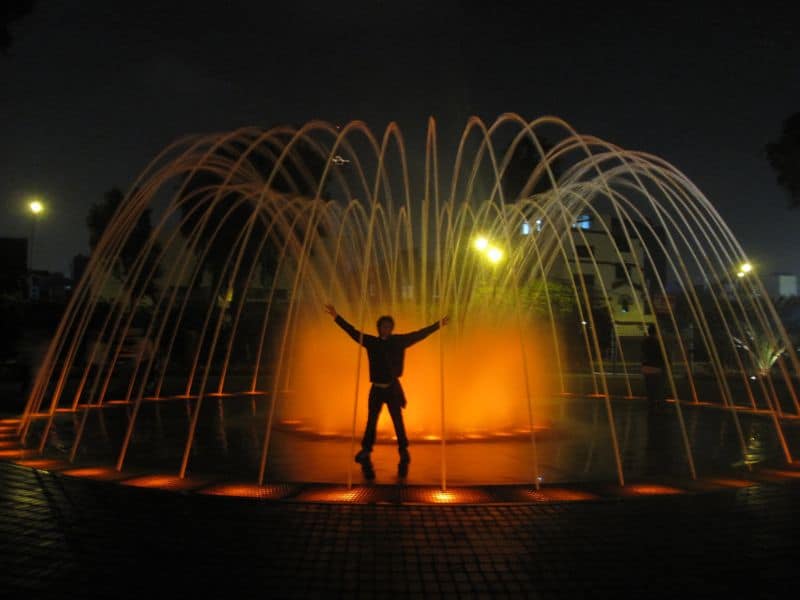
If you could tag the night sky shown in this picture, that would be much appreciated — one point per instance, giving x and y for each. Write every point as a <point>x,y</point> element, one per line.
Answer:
<point>91,90</point>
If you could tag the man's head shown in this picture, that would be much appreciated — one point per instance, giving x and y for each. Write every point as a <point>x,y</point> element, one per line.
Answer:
<point>385,326</point>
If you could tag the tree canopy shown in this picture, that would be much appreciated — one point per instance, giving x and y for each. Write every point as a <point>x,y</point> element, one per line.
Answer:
<point>11,10</point>
<point>784,156</point>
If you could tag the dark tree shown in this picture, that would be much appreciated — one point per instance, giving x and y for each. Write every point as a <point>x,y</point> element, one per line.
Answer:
<point>100,215</point>
<point>784,156</point>
<point>11,10</point>
<point>299,175</point>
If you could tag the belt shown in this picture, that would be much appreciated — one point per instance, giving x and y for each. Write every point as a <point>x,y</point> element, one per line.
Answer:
<point>383,386</point>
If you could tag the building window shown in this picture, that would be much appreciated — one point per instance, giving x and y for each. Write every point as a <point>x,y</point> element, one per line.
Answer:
<point>619,272</point>
<point>526,227</point>
<point>583,222</point>
<point>582,251</point>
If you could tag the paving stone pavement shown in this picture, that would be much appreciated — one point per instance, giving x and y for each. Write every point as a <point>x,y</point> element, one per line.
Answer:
<point>62,537</point>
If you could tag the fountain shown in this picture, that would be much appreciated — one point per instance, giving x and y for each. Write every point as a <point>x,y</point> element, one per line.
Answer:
<point>550,251</point>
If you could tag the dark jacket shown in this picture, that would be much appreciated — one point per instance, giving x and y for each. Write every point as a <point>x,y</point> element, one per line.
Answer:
<point>386,356</point>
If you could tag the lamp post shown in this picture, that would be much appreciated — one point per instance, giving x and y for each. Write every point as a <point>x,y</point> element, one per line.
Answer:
<point>744,269</point>
<point>36,208</point>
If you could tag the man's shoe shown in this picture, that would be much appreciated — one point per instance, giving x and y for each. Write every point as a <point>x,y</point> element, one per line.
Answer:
<point>363,458</point>
<point>402,466</point>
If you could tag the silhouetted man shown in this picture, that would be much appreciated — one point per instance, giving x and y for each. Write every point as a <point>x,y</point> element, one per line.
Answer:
<point>385,353</point>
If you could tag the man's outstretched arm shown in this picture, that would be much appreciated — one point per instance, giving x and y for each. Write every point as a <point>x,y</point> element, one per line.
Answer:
<point>361,338</point>
<point>419,335</point>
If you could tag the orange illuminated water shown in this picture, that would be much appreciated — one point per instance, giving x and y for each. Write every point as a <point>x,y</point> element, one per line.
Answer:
<point>481,366</point>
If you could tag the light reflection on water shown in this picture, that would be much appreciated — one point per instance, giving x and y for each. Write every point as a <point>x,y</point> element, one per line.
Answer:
<point>573,446</point>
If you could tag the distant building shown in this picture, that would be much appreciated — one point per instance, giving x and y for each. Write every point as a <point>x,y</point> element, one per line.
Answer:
<point>610,264</point>
<point>781,285</point>
<point>13,265</point>
<point>44,286</point>
<point>78,267</point>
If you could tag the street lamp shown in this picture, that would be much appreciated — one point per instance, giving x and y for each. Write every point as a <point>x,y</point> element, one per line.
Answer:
<point>481,243</point>
<point>36,208</point>
<point>492,253</point>
<point>495,255</point>
<point>744,269</point>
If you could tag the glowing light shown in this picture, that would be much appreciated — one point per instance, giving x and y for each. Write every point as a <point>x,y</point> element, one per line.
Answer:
<point>782,473</point>
<point>746,267</point>
<point>495,255</point>
<point>94,473</point>
<point>161,481</point>
<point>20,452</point>
<point>561,495</point>
<point>334,495</point>
<point>41,463</point>
<point>245,490</point>
<point>740,274</point>
<point>728,482</point>
<point>651,489</point>
<point>36,207</point>
<point>481,243</point>
<point>443,497</point>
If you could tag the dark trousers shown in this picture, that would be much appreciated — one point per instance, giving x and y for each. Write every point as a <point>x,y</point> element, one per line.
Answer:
<point>394,399</point>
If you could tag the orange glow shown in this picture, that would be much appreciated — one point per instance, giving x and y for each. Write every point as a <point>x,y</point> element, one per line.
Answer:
<point>560,495</point>
<point>245,490</point>
<point>457,495</point>
<point>17,453</point>
<point>42,463</point>
<point>484,385</point>
<point>333,495</point>
<point>118,402</point>
<point>782,473</point>
<point>170,482</point>
<point>9,444</point>
<point>728,482</point>
<point>219,395</point>
<point>105,473</point>
<point>651,489</point>
<point>7,422</point>
<point>443,497</point>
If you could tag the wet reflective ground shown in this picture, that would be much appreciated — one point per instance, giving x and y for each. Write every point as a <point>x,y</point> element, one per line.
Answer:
<point>573,446</point>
